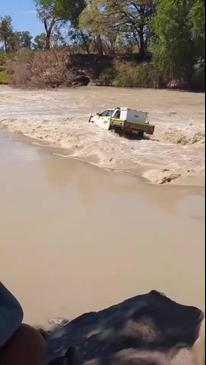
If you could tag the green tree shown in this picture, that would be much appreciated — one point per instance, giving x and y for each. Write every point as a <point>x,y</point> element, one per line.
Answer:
<point>47,12</point>
<point>196,19</point>
<point>39,42</point>
<point>24,39</point>
<point>54,13</point>
<point>70,11</point>
<point>178,28</point>
<point>96,22</point>
<point>134,17</point>
<point>112,19</point>
<point>11,40</point>
<point>101,23</point>
<point>6,32</point>
<point>197,25</point>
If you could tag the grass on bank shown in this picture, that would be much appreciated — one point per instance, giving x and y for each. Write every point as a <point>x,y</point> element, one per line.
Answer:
<point>5,78</point>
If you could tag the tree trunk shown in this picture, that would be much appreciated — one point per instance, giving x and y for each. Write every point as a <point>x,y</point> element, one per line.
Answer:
<point>48,41</point>
<point>6,44</point>
<point>99,45</point>
<point>49,29</point>
<point>142,46</point>
<point>86,45</point>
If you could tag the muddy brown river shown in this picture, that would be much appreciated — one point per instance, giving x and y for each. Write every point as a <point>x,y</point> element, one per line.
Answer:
<point>76,238</point>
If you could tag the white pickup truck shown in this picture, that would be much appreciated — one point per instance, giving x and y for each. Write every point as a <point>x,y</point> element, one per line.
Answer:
<point>124,121</point>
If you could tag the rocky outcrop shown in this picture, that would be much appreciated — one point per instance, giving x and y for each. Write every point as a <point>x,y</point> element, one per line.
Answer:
<point>80,80</point>
<point>145,330</point>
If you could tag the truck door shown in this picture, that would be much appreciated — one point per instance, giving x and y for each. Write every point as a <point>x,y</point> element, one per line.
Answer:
<point>105,118</point>
<point>117,114</point>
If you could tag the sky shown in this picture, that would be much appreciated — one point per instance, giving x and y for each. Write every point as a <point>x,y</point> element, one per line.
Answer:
<point>23,15</point>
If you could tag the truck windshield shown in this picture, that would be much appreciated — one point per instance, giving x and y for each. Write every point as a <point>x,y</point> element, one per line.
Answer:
<point>107,113</point>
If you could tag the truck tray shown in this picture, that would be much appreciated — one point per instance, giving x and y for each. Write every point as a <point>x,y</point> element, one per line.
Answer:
<point>138,126</point>
<point>133,126</point>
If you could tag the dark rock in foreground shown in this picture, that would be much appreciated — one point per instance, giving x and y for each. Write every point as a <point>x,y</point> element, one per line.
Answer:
<point>145,330</point>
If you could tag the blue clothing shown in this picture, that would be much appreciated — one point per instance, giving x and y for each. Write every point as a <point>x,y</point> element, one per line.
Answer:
<point>11,315</point>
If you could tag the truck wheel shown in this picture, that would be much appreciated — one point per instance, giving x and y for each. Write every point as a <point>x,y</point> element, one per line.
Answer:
<point>130,135</point>
<point>141,135</point>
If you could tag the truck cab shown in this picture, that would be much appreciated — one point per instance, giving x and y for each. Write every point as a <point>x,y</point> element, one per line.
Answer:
<point>103,119</point>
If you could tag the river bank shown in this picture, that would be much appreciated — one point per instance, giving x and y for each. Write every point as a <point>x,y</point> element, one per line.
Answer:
<point>59,118</point>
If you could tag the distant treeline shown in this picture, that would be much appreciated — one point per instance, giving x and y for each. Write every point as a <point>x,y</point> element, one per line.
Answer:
<point>167,37</point>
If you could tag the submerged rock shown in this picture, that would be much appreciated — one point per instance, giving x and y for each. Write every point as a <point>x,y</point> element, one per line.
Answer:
<point>161,176</point>
<point>147,329</point>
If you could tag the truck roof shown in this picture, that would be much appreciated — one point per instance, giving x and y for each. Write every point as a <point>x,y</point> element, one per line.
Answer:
<point>120,107</point>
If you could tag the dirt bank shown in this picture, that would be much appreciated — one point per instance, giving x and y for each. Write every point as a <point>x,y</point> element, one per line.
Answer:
<point>59,117</point>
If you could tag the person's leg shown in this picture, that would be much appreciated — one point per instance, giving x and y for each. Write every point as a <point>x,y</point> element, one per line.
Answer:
<point>26,347</point>
<point>11,315</point>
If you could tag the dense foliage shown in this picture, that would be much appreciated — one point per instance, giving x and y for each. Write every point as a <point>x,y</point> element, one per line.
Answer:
<point>170,34</point>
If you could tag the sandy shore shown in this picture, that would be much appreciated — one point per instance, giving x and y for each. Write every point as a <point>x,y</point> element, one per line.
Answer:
<point>59,118</point>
